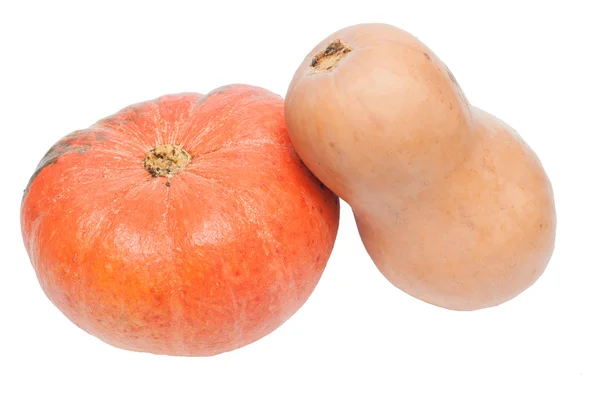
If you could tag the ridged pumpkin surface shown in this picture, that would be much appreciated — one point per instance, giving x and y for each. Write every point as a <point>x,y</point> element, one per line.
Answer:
<point>186,225</point>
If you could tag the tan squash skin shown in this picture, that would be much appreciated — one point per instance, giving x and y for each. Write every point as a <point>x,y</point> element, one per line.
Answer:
<point>451,204</point>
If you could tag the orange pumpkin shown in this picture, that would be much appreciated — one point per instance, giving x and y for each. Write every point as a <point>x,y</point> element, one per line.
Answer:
<point>186,225</point>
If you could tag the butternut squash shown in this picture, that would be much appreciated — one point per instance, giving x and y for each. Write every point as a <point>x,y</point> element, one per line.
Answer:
<point>451,204</point>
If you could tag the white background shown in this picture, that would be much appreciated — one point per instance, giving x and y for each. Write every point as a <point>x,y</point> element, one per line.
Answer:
<point>534,64</point>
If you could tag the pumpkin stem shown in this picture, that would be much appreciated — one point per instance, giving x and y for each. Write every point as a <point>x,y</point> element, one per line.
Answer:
<point>166,160</point>
<point>327,59</point>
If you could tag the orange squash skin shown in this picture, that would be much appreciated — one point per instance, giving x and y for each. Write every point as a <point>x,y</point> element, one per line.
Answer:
<point>203,262</point>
